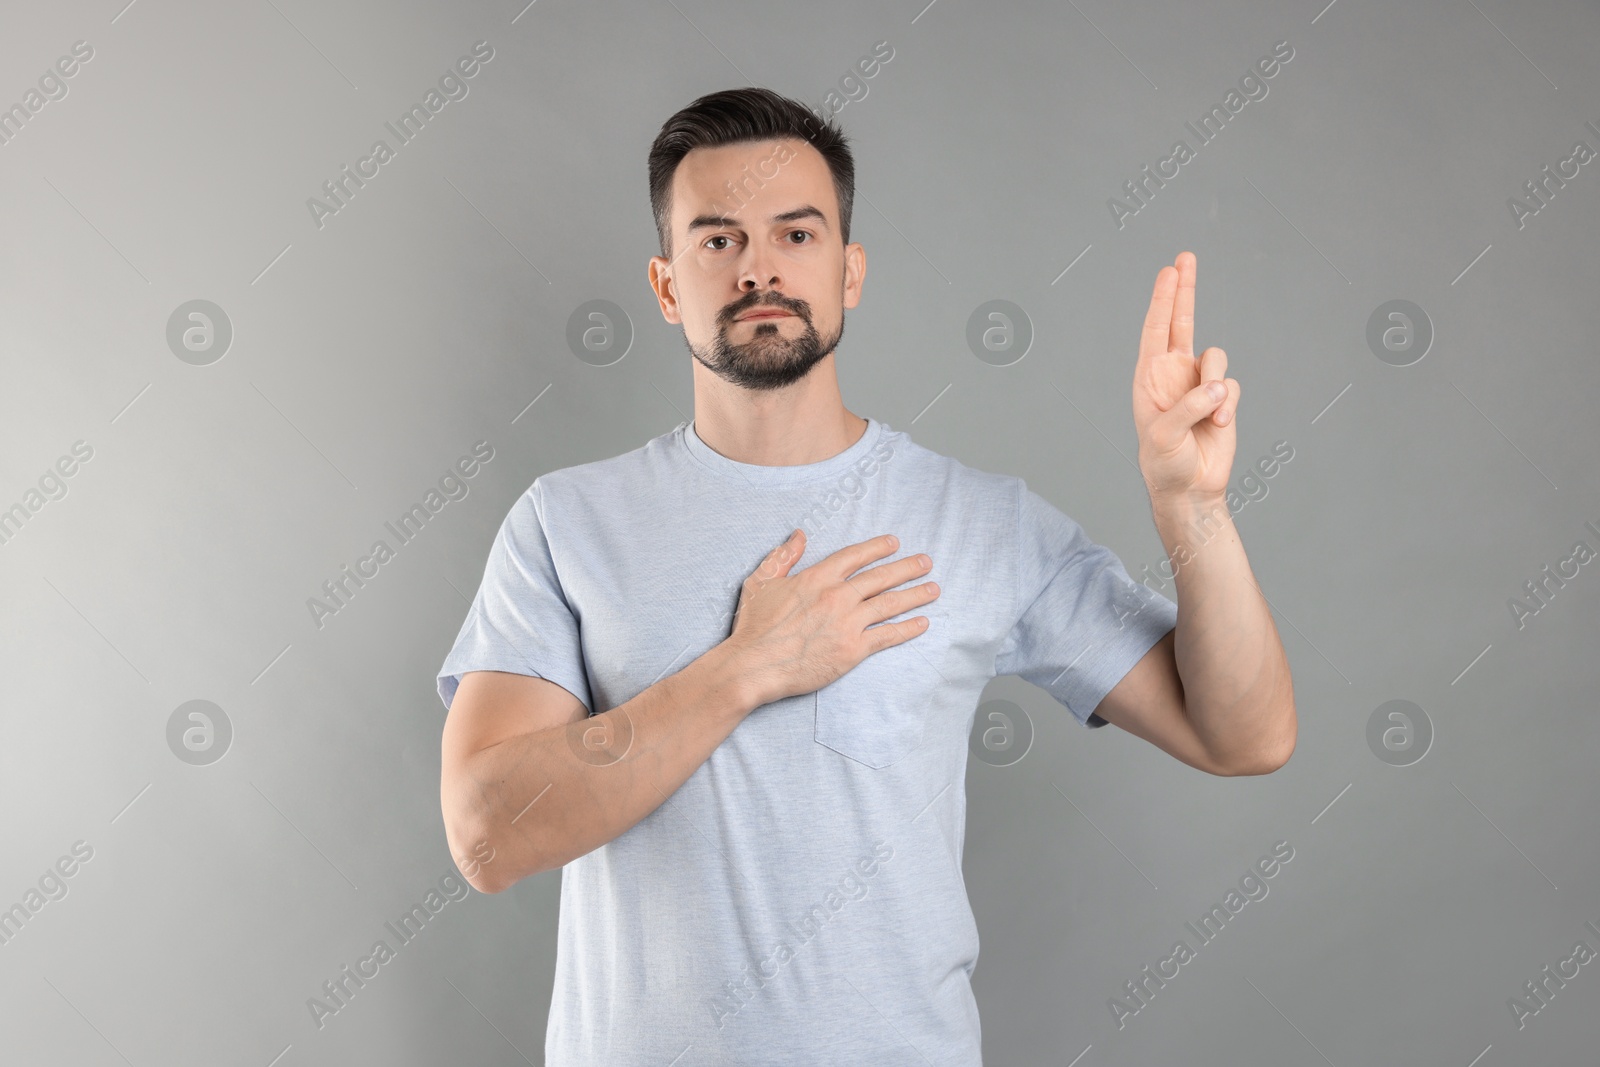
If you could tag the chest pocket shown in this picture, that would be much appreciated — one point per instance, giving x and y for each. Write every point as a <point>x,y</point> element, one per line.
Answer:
<point>877,712</point>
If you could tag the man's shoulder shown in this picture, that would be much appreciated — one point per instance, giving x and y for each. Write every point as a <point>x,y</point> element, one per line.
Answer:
<point>624,472</point>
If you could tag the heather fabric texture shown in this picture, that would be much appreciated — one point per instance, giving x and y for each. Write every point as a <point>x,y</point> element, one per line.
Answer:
<point>803,888</point>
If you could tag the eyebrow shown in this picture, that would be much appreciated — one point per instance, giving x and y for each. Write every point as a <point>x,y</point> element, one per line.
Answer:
<point>705,222</point>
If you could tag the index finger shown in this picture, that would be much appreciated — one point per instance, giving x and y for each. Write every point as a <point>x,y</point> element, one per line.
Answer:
<point>1157,334</point>
<point>1183,312</point>
<point>851,558</point>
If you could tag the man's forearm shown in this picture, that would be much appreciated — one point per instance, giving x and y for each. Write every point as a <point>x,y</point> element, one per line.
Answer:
<point>542,799</point>
<point>1236,683</point>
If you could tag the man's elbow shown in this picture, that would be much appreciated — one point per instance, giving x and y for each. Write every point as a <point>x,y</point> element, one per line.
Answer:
<point>480,876</point>
<point>495,862</point>
<point>1265,764</point>
<point>475,856</point>
<point>1264,759</point>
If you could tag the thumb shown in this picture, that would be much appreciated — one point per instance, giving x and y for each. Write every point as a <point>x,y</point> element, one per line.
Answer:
<point>780,559</point>
<point>1198,403</point>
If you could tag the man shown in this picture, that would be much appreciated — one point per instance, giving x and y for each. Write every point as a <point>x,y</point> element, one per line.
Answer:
<point>725,681</point>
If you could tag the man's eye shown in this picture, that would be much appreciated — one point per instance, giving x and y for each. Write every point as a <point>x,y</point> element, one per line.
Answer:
<point>799,233</point>
<point>718,237</point>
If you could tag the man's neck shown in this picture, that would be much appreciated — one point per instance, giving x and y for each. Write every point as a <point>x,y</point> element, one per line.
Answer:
<point>778,437</point>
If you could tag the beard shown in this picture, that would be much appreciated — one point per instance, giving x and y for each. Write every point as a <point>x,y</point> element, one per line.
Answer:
<point>769,360</point>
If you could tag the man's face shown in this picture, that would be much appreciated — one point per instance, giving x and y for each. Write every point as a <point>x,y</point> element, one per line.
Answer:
<point>755,232</point>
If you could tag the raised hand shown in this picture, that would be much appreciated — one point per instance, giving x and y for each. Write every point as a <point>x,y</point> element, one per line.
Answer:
<point>1186,435</point>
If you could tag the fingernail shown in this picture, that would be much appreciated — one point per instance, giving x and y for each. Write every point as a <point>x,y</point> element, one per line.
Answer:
<point>1217,390</point>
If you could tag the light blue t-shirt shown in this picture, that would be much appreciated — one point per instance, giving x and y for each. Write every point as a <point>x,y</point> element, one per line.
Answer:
<point>799,900</point>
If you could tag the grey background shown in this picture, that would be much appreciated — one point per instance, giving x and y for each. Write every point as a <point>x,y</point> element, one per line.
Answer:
<point>431,312</point>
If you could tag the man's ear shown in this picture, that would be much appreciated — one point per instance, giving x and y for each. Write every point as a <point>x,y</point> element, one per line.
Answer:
<point>855,273</point>
<point>665,288</point>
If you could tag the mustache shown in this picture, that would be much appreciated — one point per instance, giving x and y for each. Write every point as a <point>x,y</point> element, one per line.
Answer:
<point>777,303</point>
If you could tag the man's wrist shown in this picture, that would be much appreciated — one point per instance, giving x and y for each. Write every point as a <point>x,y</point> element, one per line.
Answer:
<point>1187,522</point>
<point>729,675</point>
<point>1186,507</point>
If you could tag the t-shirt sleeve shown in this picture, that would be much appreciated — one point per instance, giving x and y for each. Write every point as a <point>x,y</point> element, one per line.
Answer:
<point>1081,621</point>
<point>520,621</point>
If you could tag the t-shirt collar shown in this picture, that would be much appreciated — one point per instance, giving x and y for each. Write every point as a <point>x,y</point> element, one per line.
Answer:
<point>755,474</point>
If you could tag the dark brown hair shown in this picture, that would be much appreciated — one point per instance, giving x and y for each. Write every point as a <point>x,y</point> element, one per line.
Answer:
<point>735,116</point>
